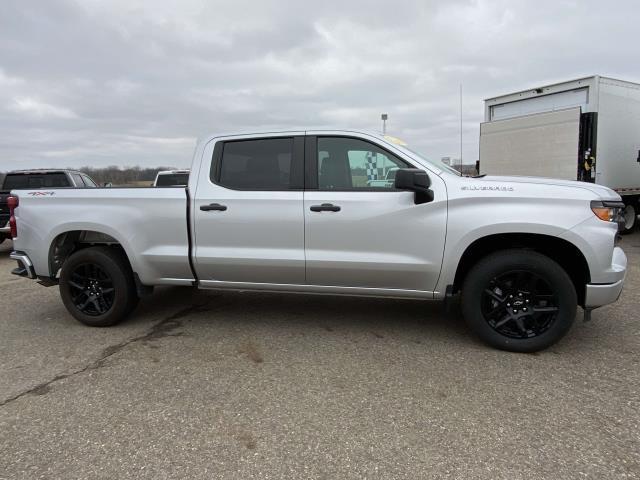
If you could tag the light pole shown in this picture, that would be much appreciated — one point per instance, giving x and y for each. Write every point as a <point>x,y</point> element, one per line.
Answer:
<point>384,117</point>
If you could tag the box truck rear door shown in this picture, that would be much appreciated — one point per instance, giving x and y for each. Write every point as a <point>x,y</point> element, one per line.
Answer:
<point>542,144</point>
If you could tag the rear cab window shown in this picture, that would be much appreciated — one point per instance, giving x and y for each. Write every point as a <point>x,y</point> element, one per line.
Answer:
<point>17,181</point>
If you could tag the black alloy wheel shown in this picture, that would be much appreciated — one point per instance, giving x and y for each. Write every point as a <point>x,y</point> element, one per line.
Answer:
<point>97,286</point>
<point>91,289</point>
<point>519,304</point>
<point>519,300</point>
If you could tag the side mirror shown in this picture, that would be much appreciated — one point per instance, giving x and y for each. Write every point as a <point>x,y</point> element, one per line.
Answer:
<point>107,185</point>
<point>415,180</point>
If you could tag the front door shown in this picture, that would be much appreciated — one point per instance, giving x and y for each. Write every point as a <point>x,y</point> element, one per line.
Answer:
<point>359,230</point>
<point>249,224</point>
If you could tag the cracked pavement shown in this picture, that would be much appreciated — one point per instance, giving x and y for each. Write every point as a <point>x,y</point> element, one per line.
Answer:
<point>209,385</point>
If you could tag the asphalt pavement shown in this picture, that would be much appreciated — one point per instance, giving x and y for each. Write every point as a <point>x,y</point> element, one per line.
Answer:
<point>270,386</point>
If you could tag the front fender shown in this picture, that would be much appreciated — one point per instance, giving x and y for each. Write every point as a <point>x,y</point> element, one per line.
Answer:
<point>474,217</point>
<point>455,249</point>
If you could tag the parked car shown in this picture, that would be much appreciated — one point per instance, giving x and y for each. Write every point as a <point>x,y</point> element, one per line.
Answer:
<point>33,179</point>
<point>172,178</point>
<point>292,212</point>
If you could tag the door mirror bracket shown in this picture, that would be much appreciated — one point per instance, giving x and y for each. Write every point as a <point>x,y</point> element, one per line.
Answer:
<point>415,180</point>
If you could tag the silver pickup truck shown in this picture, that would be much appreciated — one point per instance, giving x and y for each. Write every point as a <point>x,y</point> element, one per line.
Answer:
<point>301,211</point>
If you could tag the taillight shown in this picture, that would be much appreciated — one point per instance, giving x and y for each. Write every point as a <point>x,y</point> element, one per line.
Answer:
<point>13,203</point>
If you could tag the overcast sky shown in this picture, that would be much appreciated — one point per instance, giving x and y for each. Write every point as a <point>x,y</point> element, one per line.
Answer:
<point>130,82</point>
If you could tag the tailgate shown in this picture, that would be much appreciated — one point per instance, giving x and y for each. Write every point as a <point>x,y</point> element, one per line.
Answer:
<point>4,208</point>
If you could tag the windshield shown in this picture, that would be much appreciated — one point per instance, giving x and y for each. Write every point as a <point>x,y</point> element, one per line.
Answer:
<point>403,146</point>
<point>439,164</point>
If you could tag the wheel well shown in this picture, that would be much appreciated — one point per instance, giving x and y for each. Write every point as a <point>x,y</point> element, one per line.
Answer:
<point>67,243</point>
<point>566,254</point>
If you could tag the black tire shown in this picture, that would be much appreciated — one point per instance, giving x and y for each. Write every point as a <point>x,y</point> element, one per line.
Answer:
<point>518,300</point>
<point>97,286</point>
<point>631,219</point>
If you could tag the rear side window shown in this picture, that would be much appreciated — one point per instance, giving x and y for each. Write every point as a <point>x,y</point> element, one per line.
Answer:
<point>261,164</point>
<point>28,180</point>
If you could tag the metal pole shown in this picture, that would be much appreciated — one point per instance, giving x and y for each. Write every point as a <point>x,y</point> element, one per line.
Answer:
<point>384,117</point>
<point>461,128</point>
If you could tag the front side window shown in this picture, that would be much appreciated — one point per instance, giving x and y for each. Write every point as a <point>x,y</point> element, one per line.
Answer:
<point>261,164</point>
<point>352,164</point>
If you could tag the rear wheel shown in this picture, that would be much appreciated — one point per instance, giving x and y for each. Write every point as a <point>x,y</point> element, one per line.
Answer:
<point>97,286</point>
<point>519,301</point>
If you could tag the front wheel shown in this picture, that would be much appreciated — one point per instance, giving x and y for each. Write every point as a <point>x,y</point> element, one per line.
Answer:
<point>519,300</point>
<point>97,287</point>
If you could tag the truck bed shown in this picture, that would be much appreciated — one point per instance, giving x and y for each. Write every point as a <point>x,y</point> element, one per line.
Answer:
<point>4,209</point>
<point>149,223</point>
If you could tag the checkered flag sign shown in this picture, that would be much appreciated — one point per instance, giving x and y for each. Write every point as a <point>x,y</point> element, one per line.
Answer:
<point>372,166</point>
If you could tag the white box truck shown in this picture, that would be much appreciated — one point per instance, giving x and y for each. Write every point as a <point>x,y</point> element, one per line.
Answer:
<point>586,129</point>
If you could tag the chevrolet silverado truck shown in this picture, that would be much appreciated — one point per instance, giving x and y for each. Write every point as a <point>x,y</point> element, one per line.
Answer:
<point>296,211</point>
<point>21,179</point>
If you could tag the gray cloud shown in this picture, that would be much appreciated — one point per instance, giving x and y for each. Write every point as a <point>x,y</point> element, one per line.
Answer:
<point>134,82</point>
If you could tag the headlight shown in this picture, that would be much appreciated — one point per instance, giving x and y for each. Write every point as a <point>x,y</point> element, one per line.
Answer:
<point>609,211</point>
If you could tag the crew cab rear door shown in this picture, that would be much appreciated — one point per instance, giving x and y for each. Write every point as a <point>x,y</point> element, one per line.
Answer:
<point>359,230</point>
<point>248,217</point>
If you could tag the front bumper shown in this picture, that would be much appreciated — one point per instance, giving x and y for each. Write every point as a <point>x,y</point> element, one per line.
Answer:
<point>597,295</point>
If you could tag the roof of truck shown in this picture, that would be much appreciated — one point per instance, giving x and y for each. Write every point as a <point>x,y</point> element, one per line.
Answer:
<point>43,171</point>
<point>173,172</point>
<point>293,131</point>
<point>564,82</point>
